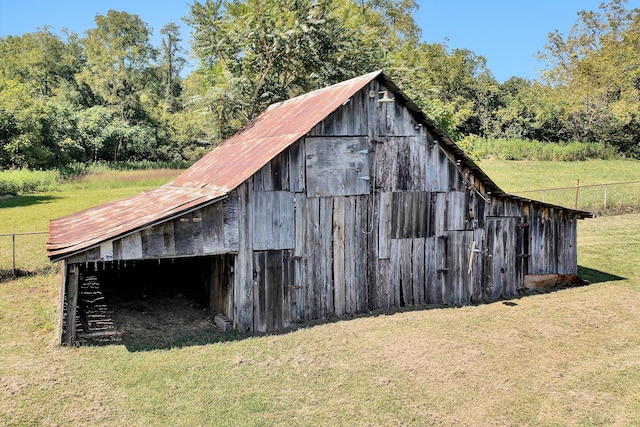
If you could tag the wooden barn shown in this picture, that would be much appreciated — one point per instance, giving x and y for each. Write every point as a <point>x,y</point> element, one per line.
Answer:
<point>340,201</point>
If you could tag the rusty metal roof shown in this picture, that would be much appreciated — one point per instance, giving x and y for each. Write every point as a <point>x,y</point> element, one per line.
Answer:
<point>210,178</point>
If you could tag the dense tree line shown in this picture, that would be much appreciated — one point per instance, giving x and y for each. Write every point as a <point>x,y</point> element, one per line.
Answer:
<point>110,95</point>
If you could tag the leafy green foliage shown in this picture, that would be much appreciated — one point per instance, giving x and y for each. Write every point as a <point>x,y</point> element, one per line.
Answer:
<point>113,96</point>
<point>25,181</point>
<point>520,149</point>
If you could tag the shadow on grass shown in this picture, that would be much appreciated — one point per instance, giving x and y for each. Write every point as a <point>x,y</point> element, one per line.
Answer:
<point>177,322</point>
<point>22,201</point>
<point>596,276</point>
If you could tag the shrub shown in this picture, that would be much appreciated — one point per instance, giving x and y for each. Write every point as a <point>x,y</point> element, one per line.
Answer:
<point>519,149</point>
<point>26,181</point>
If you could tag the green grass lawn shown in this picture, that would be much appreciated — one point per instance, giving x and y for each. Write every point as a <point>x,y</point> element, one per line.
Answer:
<point>565,358</point>
<point>516,176</point>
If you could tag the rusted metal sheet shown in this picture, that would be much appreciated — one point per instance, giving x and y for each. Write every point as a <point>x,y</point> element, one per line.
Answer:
<point>93,226</point>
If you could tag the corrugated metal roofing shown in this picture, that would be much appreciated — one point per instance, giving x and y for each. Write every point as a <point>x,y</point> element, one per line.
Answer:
<point>210,178</point>
<point>229,165</point>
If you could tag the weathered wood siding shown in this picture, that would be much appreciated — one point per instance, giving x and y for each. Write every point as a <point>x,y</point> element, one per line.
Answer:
<point>208,231</point>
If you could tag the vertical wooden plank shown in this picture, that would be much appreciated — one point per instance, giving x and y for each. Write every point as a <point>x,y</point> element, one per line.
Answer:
<point>351,256</point>
<point>386,160</point>
<point>405,249</point>
<point>273,289</point>
<point>284,221</point>
<point>300,284</point>
<point>260,291</point>
<point>132,246</point>
<point>477,267</point>
<point>230,218</point>
<point>338,256</point>
<point>243,283</point>
<point>363,229</point>
<point>213,228</point>
<point>418,277</point>
<point>277,169</point>
<point>432,289</point>
<point>288,303</point>
<point>395,273</point>
<point>169,241</point>
<point>384,225</point>
<point>61,298</point>
<point>267,183</point>
<point>73,276</point>
<point>312,257</point>
<point>296,167</point>
<point>326,259</point>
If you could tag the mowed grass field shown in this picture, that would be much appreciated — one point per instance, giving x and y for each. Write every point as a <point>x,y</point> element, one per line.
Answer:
<point>564,358</point>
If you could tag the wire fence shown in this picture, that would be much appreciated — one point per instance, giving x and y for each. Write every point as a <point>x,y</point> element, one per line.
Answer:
<point>24,254</point>
<point>600,199</point>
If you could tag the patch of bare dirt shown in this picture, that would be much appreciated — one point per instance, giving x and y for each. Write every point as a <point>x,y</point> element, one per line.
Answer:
<point>161,322</point>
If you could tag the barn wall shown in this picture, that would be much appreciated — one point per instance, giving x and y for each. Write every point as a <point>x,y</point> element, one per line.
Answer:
<point>369,211</point>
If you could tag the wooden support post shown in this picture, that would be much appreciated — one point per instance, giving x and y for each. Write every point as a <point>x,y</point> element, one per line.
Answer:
<point>63,286</point>
<point>72,303</point>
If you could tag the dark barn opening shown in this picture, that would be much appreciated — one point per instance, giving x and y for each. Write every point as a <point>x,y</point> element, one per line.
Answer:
<point>153,303</point>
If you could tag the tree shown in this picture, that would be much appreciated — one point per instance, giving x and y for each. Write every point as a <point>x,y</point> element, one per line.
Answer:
<point>265,51</point>
<point>597,69</point>
<point>171,64</point>
<point>118,55</point>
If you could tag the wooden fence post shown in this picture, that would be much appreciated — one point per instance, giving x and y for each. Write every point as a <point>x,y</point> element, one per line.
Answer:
<point>577,190</point>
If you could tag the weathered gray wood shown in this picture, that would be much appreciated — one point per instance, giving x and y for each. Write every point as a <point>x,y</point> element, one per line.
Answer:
<point>395,273</point>
<point>259,291</point>
<point>152,242</point>
<point>274,222</point>
<point>213,228</point>
<point>312,268</point>
<point>230,214</point>
<point>326,257</point>
<point>386,152</point>
<point>433,294</point>
<point>384,225</point>
<point>187,235</point>
<point>167,235</point>
<point>500,266</point>
<point>338,256</point>
<point>337,166</point>
<point>243,283</point>
<point>363,229</point>
<point>418,273</point>
<point>351,256</point>
<point>131,246</point>
<point>296,167</point>
<point>405,252</point>
<point>477,266</point>
<point>73,287</point>
<point>456,201</point>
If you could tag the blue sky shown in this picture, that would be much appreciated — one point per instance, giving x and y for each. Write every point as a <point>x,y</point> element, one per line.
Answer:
<point>507,32</point>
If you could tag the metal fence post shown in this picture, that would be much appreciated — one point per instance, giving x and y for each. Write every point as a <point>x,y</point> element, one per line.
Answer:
<point>13,254</point>
<point>577,190</point>
<point>605,197</point>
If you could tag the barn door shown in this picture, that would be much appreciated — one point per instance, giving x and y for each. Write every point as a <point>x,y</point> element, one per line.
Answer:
<point>500,263</point>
